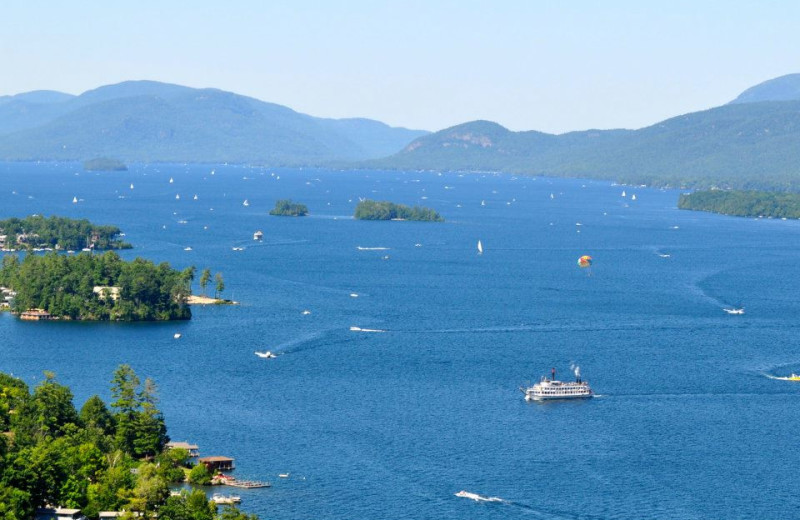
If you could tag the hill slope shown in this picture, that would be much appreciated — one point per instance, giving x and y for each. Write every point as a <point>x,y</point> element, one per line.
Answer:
<point>746,145</point>
<point>784,88</point>
<point>151,121</point>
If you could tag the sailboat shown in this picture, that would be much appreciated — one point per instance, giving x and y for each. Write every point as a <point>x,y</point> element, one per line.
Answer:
<point>633,197</point>
<point>170,180</point>
<point>552,196</point>
<point>177,197</point>
<point>480,248</point>
<point>483,203</point>
<point>74,200</point>
<point>623,193</point>
<point>131,185</point>
<point>195,196</point>
<point>245,203</point>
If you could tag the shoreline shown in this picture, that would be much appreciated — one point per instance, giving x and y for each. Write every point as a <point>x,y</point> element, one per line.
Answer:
<point>194,299</point>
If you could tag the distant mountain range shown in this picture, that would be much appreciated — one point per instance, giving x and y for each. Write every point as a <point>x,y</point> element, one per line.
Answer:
<point>752,142</point>
<point>147,121</point>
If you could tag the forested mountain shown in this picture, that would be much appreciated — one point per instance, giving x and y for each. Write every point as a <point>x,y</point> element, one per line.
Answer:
<point>146,121</point>
<point>742,144</point>
<point>784,88</point>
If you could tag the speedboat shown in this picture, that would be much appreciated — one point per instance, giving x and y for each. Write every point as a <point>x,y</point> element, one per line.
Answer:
<point>177,335</point>
<point>225,499</point>
<point>476,497</point>
<point>266,355</point>
<point>793,377</point>
<point>740,310</point>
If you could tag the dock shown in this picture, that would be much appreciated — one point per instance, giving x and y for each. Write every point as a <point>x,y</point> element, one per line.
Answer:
<point>247,484</point>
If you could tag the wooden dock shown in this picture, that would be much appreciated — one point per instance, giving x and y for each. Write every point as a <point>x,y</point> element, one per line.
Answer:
<point>247,484</point>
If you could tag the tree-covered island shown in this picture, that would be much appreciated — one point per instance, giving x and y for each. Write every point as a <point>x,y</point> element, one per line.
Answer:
<point>287,208</point>
<point>98,458</point>
<point>104,164</point>
<point>743,203</point>
<point>384,210</point>
<point>97,287</point>
<point>55,232</point>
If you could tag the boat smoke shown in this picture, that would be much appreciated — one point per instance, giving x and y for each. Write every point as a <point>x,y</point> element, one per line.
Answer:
<point>576,370</point>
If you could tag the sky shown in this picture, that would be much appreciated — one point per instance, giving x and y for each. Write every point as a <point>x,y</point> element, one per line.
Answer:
<point>553,66</point>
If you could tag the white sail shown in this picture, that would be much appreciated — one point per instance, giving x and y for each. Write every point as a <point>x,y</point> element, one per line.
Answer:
<point>480,248</point>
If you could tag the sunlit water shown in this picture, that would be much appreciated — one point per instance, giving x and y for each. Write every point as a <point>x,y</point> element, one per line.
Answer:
<point>392,424</point>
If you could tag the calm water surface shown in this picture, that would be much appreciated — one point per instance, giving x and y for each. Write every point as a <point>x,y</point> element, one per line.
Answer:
<point>392,424</point>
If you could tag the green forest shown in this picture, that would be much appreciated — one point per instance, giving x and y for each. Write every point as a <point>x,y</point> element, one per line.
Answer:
<point>98,458</point>
<point>384,210</point>
<point>64,286</point>
<point>743,203</point>
<point>287,208</point>
<point>62,233</point>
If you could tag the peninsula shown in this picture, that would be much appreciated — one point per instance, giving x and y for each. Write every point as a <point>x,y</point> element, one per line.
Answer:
<point>384,210</point>
<point>287,208</point>
<point>114,458</point>
<point>743,203</point>
<point>38,232</point>
<point>96,288</point>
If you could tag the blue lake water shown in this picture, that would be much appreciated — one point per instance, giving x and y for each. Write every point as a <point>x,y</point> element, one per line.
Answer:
<point>688,423</point>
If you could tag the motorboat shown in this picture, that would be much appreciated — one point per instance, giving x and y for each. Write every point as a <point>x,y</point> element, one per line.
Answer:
<point>740,310</point>
<point>266,355</point>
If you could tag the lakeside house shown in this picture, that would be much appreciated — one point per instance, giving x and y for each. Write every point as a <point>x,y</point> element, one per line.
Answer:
<point>58,513</point>
<point>193,449</point>
<point>216,464</point>
<point>3,239</point>
<point>35,315</point>
<point>106,290</point>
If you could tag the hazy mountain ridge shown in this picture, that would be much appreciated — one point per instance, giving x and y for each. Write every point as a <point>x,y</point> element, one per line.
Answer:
<point>151,121</point>
<point>743,144</point>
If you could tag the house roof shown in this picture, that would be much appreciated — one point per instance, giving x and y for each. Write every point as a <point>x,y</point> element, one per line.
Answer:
<point>216,458</point>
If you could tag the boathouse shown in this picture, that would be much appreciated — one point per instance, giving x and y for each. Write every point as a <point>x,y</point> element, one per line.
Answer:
<point>193,449</point>
<point>216,463</point>
<point>35,315</point>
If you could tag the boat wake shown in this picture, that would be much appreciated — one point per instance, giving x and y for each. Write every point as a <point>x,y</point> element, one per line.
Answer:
<point>792,377</point>
<point>477,498</point>
<point>372,248</point>
<point>359,329</point>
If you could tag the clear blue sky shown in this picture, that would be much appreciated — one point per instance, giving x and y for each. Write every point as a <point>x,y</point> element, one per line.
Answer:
<point>543,65</point>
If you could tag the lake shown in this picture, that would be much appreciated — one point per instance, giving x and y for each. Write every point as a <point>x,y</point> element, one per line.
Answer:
<point>689,421</point>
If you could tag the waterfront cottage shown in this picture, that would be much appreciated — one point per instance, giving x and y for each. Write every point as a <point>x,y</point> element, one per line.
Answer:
<point>216,464</point>
<point>35,315</point>
<point>193,449</point>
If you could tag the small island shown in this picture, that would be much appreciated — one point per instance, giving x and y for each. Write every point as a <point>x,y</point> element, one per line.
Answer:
<point>743,203</point>
<point>38,232</point>
<point>287,208</point>
<point>104,164</point>
<point>96,288</point>
<point>384,210</point>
